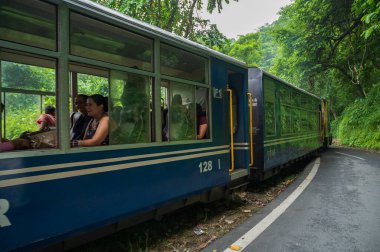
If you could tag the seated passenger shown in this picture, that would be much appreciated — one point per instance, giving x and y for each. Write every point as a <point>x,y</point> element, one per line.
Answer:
<point>15,144</point>
<point>202,122</point>
<point>9,145</point>
<point>36,140</point>
<point>97,130</point>
<point>47,121</point>
<point>79,120</point>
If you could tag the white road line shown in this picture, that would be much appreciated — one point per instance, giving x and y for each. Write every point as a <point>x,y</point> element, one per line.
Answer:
<point>260,227</point>
<point>349,155</point>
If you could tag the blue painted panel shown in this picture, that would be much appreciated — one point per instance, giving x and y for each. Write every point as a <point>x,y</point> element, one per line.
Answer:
<point>63,206</point>
<point>221,76</point>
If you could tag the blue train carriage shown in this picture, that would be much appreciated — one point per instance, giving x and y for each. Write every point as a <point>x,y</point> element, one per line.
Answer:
<point>51,51</point>
<point>286,124</point>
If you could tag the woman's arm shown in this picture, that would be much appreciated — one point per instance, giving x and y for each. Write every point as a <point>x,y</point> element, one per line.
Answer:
<point>202,131</point>
<point>42,127</point>
<point>100,134</point>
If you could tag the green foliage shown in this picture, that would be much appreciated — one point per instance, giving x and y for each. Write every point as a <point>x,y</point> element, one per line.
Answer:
<point>248,49</point>
<point>359,125</point>
<point>213,38</point>
<point>23,110</point>
<point>28,77</point>
<point>370,11</point>
<point>21,120</point>
<point>91,84</point>
<point>177,16</point>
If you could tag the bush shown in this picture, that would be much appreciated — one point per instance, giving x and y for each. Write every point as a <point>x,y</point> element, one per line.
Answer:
<point>359,125</point>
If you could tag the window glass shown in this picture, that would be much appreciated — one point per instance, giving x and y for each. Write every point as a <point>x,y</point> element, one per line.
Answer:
<point>202,113</point>
<point>182,112</point>
<point>297,99</point>
<point>29,98</point>
<point>130,112</point>
<point>296,121</point>
<point>91,38</point>
<point>285,96</point>
<point>164,97</point>
<point>286,126</point>
<point>28,22</point>
<point>92,84</point>
<point>84,82</point>
<point>304,121</point>
<point>182,64</point>
<point>27,77</point>
<point>269,107</point>
<point>270,120</point>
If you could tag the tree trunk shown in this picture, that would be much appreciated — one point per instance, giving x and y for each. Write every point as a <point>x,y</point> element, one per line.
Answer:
<point>190,19</point>
<point>174,11</point>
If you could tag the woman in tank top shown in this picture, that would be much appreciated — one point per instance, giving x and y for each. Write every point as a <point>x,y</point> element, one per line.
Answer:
<point>97,130</point>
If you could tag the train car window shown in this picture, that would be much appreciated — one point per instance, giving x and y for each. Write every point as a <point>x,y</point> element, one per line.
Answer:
<point>286,123</point>
<point>202,113</point>
<point>315,121</point>
<point>182,110</point>
<point>28,92</point>
<point>84,81</point>
<point>296,120</point>
<point>164,97</point>
<point>131,108</point>
<point>92,84</point>
<point>304,120</point>
<point>285,96</point>
<point>182,64</point>
<point>269,107</point>
<point>297,99</point>
<point>29,24</point>
<point>94,39</point>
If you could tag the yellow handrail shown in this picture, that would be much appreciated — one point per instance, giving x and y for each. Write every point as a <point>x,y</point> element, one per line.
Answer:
<point>231,132</point>
<point>250,129</point>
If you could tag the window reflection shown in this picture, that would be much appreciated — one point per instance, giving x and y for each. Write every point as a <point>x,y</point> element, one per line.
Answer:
<point>97,40</point>
<point>30,24</point>
<point>130,108</point>
<point>182,64</point>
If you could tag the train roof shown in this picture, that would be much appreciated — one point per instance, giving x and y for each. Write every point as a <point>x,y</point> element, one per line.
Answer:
<point>287,83</point>
<point>151,30</point>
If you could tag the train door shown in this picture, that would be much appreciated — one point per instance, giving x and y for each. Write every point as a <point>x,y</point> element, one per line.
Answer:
<point>237,124</point>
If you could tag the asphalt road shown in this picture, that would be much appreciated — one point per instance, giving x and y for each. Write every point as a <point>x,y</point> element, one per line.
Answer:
<point>338,211</point>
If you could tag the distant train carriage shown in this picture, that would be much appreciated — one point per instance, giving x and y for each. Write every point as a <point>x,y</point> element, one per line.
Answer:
<point>161,89</point>
<point>287,122</point>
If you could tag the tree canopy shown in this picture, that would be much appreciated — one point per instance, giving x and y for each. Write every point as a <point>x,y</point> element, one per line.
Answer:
<point>330,48</point>
<point>177,16</point>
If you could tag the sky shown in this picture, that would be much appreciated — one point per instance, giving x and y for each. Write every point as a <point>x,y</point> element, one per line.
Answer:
<point>245,16</point>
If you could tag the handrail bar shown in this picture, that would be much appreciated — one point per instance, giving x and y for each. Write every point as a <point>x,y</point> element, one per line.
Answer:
<point>232,168</point>
<point>251,160</point>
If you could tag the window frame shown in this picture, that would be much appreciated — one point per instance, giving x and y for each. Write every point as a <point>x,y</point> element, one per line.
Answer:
<point>62,57</point>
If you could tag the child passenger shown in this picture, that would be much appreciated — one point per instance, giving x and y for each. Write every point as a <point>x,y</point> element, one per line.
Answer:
<point>47,121</point>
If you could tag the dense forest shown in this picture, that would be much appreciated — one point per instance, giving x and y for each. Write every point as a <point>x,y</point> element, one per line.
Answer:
<point>330,48</point>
